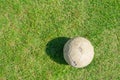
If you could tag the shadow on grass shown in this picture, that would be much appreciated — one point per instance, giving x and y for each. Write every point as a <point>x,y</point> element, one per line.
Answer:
<point>54,49</point>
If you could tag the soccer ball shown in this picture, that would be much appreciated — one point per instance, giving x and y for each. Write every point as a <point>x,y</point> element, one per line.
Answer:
<point>78,52</point>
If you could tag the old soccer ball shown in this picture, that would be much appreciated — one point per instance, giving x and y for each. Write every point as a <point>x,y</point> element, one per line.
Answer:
<point>78,52</point>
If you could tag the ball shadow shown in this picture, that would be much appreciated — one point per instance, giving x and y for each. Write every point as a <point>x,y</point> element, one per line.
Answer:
<point>54,49</point>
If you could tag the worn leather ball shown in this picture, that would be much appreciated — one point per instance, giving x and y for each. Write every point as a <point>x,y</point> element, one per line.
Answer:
<point>78,52</point>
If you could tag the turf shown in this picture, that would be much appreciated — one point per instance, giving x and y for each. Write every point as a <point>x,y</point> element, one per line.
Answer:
<point>33,33</point>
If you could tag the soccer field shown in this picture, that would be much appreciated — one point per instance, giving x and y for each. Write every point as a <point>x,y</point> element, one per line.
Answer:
<point>33,33</point>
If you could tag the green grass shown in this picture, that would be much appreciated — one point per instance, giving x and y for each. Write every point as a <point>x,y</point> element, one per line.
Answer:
<point>33,33</point>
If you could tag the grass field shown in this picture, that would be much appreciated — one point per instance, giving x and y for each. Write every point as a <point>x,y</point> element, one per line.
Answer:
<point>33,33</point>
